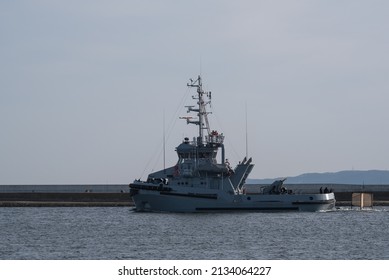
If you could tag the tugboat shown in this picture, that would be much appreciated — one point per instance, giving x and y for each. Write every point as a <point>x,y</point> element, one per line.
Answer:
<point>198,182</point>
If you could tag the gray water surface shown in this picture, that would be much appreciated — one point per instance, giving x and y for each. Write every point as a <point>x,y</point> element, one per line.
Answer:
<point>119,233</point>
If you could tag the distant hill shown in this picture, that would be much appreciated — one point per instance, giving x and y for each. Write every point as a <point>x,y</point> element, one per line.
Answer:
<point>370,177</point>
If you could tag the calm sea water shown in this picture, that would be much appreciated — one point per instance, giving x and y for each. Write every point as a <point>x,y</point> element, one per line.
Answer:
<point>119,233</point>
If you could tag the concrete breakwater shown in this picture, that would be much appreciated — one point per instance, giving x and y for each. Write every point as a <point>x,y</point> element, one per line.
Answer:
<point>64,195</point>
<point>64,199</point>
<point>118,195</point>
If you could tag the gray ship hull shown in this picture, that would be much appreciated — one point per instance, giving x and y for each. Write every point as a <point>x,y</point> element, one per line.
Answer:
<point>174,202</point>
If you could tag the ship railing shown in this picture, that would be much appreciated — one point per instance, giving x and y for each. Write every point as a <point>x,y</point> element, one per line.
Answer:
<point>217,139</point>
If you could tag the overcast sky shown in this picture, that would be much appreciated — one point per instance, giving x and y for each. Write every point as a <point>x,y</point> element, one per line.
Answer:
<point>85,86</point>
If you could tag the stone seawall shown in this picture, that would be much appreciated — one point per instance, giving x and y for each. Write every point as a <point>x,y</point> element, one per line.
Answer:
<point>123,199</point>
<point>64,199</point>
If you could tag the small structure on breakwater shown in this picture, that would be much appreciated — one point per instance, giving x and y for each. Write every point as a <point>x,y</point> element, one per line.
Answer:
<point>362,200</point>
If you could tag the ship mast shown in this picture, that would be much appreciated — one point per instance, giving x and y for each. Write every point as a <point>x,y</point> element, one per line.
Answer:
<point>202,113</point>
